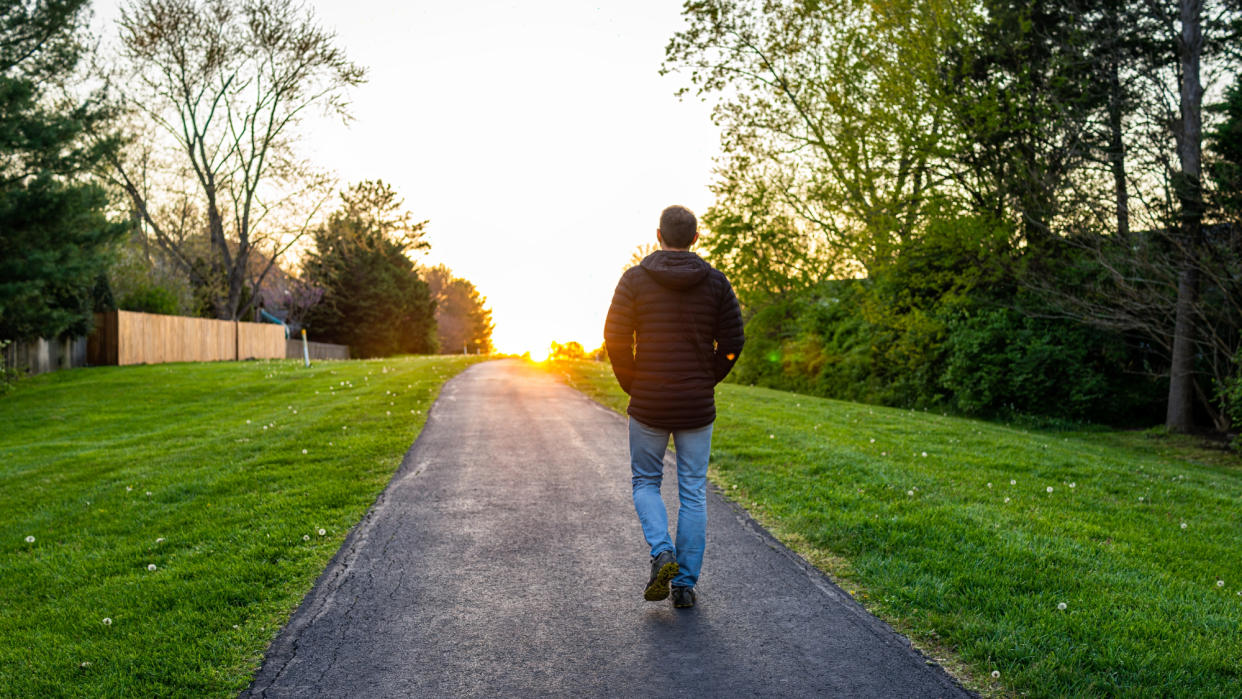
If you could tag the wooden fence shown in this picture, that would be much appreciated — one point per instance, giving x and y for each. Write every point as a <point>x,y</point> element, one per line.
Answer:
<point>126,337</point>
<point>317,350</point>
<point>40,356</point>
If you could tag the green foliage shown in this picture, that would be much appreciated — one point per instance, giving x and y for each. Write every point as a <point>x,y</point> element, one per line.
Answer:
<point>1229,395</point>
<point>374,300</point>
<point>54,235</point>
<point>568,351</point>
<point>1224,156</point>
<point>945,528</point>
<point>1001,363</point>
<point>150,299</point>
<point>221,509</point>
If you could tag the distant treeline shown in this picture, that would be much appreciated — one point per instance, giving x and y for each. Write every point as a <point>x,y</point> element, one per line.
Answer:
<point>991,207</point>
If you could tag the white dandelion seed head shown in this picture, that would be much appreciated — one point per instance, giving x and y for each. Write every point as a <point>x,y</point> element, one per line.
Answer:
<point>1220,583</point>
<point>247,422</point>
<point>995,674</point>
<point>323,532</point>
<point>1006,499</point>
<point>149,493</point>
<point>1062,606</point>
<point>1140,498</point>
<point>924,453</point>
<point>295,412</point>
<point>265,427</point>
<point>235,627</point>
<point>872,439</point>
<point>989,485</point>
<point>107,621</point>
<point>1049,489</point>
<point>306,537</point>
<point>159,540</point>
<point>151,566</point>
<point>1183,525</point>
<point>771,436</point>
<point>1073,485</point>
<point>910,493</point>
<point>129,488</point>
<point>1012,482</point>
<point>303,451</point>
<point>30,539</point>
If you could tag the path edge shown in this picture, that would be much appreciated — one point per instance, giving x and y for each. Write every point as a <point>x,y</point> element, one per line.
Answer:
<point>820,579</point>
<point>284,647</point>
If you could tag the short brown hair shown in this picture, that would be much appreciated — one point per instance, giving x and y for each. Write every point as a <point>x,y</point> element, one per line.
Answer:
<point>677,226</point>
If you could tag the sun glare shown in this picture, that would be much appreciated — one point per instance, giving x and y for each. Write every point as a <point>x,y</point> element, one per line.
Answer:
<point>540,354</point>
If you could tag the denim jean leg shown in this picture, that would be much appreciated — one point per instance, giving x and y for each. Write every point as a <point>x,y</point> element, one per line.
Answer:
<point>647,447</point>
<point>693,451</point>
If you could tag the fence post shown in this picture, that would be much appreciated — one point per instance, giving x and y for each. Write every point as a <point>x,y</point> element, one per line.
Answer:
<point>305,348</point>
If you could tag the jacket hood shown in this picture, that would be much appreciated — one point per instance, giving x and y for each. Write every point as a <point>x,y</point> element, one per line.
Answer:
<point>675,269</point>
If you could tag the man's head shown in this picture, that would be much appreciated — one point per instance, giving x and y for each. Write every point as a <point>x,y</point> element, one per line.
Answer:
<point>678,228</point>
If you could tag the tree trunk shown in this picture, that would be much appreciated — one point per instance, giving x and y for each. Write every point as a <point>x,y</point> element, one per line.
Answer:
<point>1117,150</point>
<point>1180,415</point>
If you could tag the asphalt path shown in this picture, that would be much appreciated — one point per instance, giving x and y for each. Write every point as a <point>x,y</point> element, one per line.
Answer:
<point>505,559</point>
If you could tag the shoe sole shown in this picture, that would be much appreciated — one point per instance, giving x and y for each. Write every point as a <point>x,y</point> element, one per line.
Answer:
<point>682,606</point>
<point>659,588</point>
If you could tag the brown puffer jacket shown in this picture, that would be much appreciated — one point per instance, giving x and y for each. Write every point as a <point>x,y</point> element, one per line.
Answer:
<point>674,331</point>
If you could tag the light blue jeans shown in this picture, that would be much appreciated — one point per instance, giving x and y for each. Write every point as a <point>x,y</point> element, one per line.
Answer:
<point>647,447</point>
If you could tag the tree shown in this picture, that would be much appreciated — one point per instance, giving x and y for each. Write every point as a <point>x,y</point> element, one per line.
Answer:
<point>463,322</point>
<point>218,88</point>
<point>54,234</point>
<point>829,113</point>
<point>373,299</point>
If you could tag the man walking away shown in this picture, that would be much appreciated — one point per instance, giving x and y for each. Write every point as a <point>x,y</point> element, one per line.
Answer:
<point>674,331</point>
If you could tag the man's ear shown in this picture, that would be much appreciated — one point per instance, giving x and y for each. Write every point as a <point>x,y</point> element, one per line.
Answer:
<point>693,240</point>
<point>659,237</point>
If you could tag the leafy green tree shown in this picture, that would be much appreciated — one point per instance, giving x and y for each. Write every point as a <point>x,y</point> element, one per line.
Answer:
<point>54,234</point>
<point>463,321</point>
<point>373,299</point>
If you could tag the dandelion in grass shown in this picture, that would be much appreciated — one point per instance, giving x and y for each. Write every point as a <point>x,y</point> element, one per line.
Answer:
<point>303,451</point>
<point>1073,485</point>
<point>1012,482</point>
<point>107,621</point>
<point>159,540</point>
<point>247,422</point>
<point>872,439</point>
<point>1006,499</point>
<point>306,537</point>
<point>1183,525</point>
<point>151,567</point>
<point>1062,606</point>
<point>30,539</point>
<point>771,436</point>
<point>995,674</point>
<point>910,493</point>
<point>322,532</point>
<point>924,454</point>
<point>388,412</point>
<point>1140,498</point>
<point>129,488</point>
<point>1049,489</point>
<point>1220,583</point>
<point>989,485</point>
<point>149,493</point>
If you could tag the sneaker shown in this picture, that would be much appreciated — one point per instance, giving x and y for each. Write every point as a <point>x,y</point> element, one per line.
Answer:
<point>663,568</point>
<point>683,597</point>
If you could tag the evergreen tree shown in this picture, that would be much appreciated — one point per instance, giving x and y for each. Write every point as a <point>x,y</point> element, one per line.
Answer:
<point>463,323</point>
<point>374,300</point>
<point>54,235</point>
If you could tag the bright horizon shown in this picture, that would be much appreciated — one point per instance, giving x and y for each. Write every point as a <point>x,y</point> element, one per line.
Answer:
<point>539,140</point>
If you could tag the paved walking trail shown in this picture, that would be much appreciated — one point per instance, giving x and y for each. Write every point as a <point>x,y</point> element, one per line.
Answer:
<point>504,560</point>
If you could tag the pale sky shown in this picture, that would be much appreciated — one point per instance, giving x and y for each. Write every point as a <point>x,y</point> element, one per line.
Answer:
<point>538,138</point>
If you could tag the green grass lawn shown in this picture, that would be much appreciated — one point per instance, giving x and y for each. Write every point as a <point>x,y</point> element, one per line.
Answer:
<point>969,537</point>
<point>180,512</point>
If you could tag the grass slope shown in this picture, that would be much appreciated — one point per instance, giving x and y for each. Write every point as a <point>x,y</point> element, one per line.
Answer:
<point>222,476</point>
<point>969,536</point>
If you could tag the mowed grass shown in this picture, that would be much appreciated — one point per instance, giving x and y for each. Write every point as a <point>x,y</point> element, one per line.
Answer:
<point>968,536</point>
<point>221,475</point>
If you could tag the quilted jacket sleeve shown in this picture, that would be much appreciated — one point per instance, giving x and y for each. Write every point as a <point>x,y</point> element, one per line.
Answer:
<point>729,334</point>
<point>619,333</point>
